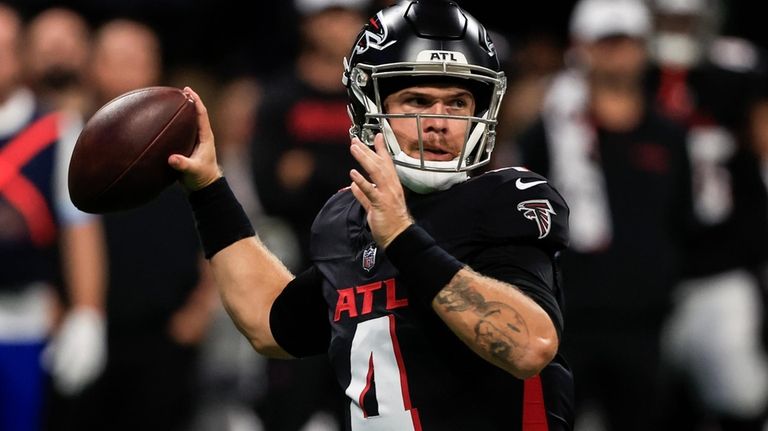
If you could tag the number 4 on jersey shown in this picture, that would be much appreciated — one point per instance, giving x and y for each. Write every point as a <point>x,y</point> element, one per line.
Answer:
<point>379,386</point>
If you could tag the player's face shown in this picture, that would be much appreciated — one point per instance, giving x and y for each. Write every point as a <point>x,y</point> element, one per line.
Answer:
<point>443,138</point>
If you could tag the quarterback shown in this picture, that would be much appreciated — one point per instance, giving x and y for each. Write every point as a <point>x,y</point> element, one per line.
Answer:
<point>435,293</point>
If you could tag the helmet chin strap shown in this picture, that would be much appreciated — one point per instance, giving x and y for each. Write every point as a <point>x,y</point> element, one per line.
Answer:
<point>424,182</point>
<point>415,179</point>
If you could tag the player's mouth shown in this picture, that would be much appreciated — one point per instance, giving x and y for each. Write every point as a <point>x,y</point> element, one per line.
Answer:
<point>438,155</point>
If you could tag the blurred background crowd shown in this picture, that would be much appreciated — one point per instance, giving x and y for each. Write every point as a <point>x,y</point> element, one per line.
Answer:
<point>650,116</point>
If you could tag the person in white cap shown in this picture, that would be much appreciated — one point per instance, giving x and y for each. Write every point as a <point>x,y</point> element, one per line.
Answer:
<point>599,19</point>
<point>712,344</point>
<point>622,168</point>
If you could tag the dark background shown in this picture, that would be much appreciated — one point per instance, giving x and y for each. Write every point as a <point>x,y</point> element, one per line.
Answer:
<point>228,37</point>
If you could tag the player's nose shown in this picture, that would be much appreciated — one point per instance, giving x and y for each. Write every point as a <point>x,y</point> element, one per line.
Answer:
<point>435,124</point>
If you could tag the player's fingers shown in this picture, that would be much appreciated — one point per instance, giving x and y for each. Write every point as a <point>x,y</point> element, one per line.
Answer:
<point>385,162</point>
<point>360,196</point>
<point>368,188</point>
<point>385,174</point>
<point>359,151</point>
<point>369,160</point>
<point>203,122</point>
<point>380,146</point>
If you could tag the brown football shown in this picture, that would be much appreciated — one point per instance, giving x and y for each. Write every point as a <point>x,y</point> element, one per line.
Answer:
<point>120,160</point>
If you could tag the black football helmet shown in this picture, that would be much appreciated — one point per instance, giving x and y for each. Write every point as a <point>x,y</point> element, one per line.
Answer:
<point>422,42</point>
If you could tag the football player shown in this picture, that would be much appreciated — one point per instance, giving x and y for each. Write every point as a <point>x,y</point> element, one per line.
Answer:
<point>434,293</point>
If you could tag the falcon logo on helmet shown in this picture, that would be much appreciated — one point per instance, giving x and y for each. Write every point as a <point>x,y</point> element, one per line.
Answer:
<point>540,211</point>
<point>374,36</point>
<point>490,48</point>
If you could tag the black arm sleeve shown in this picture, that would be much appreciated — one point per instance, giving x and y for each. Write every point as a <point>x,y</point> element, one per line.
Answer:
<point>530,269</point>
<point>299,316</point>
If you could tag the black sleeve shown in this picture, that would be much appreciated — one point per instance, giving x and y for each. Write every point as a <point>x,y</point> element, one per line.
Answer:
<point>528,268</point>
<point>299,316</point>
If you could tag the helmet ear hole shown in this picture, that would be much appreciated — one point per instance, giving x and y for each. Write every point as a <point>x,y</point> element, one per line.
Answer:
<point>360,77</point>
<point>367,136</point>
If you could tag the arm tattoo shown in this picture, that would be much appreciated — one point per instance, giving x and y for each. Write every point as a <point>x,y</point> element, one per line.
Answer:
<point>500,330</point>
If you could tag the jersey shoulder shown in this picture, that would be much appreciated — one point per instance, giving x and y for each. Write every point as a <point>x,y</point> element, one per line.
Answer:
<point>523,205</point>
<point>340,220</point>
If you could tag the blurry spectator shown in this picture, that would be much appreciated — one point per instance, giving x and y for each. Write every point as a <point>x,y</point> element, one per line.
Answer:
<point>302,132</point>
<point>160,296</point>
<point>127,55</point>
<point>301,158</point>
<point>235,113</point>
<point>56,54</point>
<point>707,82</point>
<point>757,136</point>
<point>232,373</point>
<point>47,247</point>
<point>532,64</point>
<point>623,169</point>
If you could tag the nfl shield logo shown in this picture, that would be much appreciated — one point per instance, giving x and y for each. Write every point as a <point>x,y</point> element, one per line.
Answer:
<point>369,257</point>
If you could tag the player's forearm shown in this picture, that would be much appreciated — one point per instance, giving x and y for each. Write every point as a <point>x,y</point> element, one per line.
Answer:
<point>498,322</point>
<point>494,319</point>
<point>249,278</point>
<point>84,263</point>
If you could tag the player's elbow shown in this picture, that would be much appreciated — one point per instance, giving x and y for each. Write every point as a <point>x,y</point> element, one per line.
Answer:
<point>541,351</point>
<point>268,349</point>
<point>264,343</point>
<point>259,336</point>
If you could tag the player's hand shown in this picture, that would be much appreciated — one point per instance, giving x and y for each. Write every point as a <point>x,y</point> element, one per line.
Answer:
<point>383,199</point>
<point>200,168</point>
<point>77,354</point>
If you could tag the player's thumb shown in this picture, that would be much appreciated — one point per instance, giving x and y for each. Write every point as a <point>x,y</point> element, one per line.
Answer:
<point>194,174</point>
<point>185,166</point>
<point>179,162</point>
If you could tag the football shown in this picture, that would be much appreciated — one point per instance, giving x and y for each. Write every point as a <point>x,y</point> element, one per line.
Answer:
<point>120,160</point>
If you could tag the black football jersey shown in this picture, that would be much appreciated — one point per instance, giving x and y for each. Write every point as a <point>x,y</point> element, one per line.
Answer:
<point>400,366</point>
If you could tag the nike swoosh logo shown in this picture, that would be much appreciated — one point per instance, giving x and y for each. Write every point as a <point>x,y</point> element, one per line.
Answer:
<point>523,186</point>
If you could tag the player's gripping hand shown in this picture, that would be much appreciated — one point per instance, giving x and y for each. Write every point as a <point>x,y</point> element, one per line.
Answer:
<point>383,198</point>
<point>200,168</point>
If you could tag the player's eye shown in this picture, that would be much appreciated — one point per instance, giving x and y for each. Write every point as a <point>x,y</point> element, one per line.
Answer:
<point>418,101</point>
<point>459,103</point>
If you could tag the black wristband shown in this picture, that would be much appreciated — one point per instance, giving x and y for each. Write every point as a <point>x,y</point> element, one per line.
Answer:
<point>423,265</point>
<point>219,217</point>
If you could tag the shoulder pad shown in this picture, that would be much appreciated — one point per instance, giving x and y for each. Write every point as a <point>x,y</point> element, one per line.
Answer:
<point>523,205</point>
<point>333,227</point>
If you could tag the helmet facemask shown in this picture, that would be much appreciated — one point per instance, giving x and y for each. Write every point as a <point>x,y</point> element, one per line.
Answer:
<point>369,85</point>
